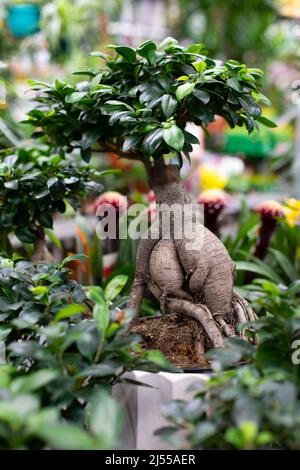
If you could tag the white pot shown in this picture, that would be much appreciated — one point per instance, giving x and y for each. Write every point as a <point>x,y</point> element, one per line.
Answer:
<point>142,405</point>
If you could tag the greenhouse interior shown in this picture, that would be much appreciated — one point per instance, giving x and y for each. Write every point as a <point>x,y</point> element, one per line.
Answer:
<point>150,227</point>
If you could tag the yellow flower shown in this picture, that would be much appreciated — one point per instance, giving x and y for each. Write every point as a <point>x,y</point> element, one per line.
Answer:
<point>292,211</point>
<point>211,179</point>
<point>293,203</point>
<point>292,216</point>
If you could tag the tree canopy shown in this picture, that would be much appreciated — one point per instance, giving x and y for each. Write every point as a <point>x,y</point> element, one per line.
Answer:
<point>139,102</point>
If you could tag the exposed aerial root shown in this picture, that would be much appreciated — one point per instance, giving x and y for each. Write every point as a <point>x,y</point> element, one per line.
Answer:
<point>199,341</point>
<point>244,313</point>
<point>202,315</point>
<point>228,330</point>
<point>249,313</point>
<point>142,275</point>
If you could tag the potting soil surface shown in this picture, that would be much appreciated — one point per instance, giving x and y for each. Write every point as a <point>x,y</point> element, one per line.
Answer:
<point>174,336</point>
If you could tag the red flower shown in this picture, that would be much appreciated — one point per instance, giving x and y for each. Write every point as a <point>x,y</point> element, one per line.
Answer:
<point>112,198</point>
<point>270,209</point>
<point>214,200</point>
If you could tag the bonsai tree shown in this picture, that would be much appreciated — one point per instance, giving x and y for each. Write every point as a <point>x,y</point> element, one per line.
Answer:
<point>138,107</point>
<point>34,184</point>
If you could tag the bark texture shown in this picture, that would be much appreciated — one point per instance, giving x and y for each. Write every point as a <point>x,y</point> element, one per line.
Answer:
<point>192,274</point>
<point>41,254</point>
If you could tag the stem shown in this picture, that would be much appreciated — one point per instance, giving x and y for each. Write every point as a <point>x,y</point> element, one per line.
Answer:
<point>211,221</point>
<point>41,254</point>
<point>266,231</point>
<point>5,244</point>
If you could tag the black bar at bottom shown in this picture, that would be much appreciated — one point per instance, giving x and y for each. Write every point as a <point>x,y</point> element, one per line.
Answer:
<point>140,459</point>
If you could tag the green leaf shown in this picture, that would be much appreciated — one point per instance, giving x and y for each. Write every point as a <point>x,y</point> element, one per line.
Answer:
<point>200,111</point>
<point>199,66</point>
<point>250,105</point>
<point>97,370</point>
<point>69,311</point>
<point>234,84</point>
<point>204,431</point>
<point>131,141</point>
<point>168,105</point>
<point>104,419</point>
<point>184,90</point>
<point>149,92</point>
<point>56,188</point>
<point>115,286</point>
<point>285,264</point>
<point>18,409</point>
<point>101,312</point>
<point>79,257</point>
<point>266,122</point>
<point>152,142</point>
<point>256,268</point>
<point>128,53</point>
<point>115,105</point>
<point>45,219</point>
<point>145,48</point>
<point>169,41</point>
<point>90,136</point>
<point>65,436</point>
<point>51,235</point>
<point>102,55</point>
<point>190,138</point>
<point>109,171</point>
<point>13,184</point>
<point>4,333</point>
<point>75,97</point>
<point>196,48</point>
<point>25,235</point>
<point>165,81</point>
<point>174,137</point>
<point>96,294</point>
<point>202,96</point>
<point>33,381</point>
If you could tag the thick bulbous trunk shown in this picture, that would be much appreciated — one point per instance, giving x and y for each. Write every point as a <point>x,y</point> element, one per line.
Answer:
<point>41,254</point>
<point>186,268</point>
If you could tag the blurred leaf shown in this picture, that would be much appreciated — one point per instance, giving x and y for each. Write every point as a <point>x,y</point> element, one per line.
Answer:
<point>115,286</point>
<point>104,417</point>
<point>69,311</point>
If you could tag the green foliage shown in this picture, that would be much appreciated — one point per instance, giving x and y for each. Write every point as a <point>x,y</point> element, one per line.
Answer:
<point>34,184</point>
<point>252,406</point>
<point>142,99</point>
<point>240,29</point>
<point>282,263</point>
<point>65,349</point>
<point>27,423</point>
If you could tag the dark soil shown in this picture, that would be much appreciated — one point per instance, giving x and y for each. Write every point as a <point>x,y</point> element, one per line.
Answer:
<point>174,336</point>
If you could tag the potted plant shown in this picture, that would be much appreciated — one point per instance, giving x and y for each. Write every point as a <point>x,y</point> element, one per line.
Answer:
<point>138,107</point>
<point>34,185</point>
<point>23,17</point>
